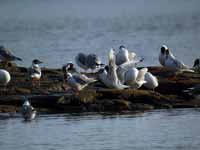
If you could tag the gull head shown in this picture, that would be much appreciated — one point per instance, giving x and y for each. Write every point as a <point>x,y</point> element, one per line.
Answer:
<point>122,46</point>
<point>163,49</point>
<point>36,61</point>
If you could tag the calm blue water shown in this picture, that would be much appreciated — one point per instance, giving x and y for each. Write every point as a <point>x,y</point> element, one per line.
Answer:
<point>56,30</point>
<point>155,130</point>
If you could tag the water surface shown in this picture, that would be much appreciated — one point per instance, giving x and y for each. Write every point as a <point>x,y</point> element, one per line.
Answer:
<point>55,31</point>
<point>155,130</point>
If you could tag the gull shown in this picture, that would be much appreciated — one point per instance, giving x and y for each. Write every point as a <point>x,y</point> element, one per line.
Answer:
<point>196,65</point>
<point>151,81</point>
<point>108,75</point>
<point>6,55</point>
<point>35,72</point>
<point>124,55</point>
<point>123,68</point>
<point>162,54</point>
<point>78,81</point>
<point>135,78</point>
<point>174,64</point>
<point>4,77</point>
<point>28,112</point>
<point>91,61</point>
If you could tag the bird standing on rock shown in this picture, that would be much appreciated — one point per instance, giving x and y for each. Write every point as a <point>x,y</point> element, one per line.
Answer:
<point>6,55</point>
<point>162,54</point>
<point>171,62</point>
<point>35,72</point>
<point>74,79</point>
<point>124,55</point>
<point>135,78</point>
<point>91,61</point>
<point>108,75</point>
<point>4,77</point>
<point>151,81</point>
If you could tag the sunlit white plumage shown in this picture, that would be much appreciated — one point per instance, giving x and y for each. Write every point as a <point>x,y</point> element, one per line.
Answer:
<point>124,55</point>
<point>28,112</point>
<point>4,77</point>
<point>174,64</point>
<point>109,77</point>
<point>135,78</point>
<point>151,81</point>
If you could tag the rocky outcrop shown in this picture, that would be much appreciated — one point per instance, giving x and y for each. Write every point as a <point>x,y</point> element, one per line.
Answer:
<point>51,96</point>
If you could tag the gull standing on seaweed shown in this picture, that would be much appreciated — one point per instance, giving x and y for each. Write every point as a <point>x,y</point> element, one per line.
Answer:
<point>162,54</point>
<point>28,112</point>
<point>91,61</point>
<point>35,72</point>
<point>108,74</point>
<point>135,78</point>
<point>6,55</point>
<point>124,55</point>
<point>151,81</point>
<point>196,65</point>
<point>174,64</point>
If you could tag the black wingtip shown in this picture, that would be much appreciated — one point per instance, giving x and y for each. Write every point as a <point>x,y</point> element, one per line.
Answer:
<point>19,59</point>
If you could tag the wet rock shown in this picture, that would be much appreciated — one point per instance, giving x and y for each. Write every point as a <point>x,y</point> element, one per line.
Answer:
<point>50,95</point>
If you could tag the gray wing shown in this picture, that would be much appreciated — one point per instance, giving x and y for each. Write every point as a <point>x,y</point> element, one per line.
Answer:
<point>82,79</point>
<point>81,58</point>
<point>92,61</point>
<point>5,53</point>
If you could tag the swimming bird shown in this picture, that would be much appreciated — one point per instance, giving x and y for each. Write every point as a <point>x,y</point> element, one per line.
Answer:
<point>6,55</point>
<point>196,65</point>
<point>162,54</point>
<point>35,72</point>
<point>124,55</point>
<point>174,64</point>
<point>108,75</point>
<point>135,78</point>
<point>78,81</point>
<point>151,81</point>
<point>91,61</point>
<point>4,77</point>
<point>28,112</point>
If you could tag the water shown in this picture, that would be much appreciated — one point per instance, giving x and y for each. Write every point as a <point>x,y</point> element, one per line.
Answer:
<point>155,130</point>
<point>55,31</point>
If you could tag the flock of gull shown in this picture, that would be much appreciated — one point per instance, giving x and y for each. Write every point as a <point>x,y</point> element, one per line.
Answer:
<point>121,72</point>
